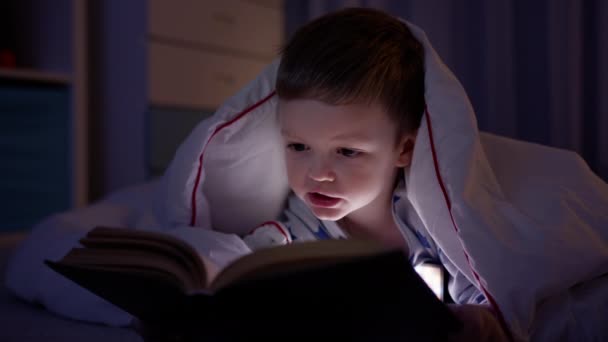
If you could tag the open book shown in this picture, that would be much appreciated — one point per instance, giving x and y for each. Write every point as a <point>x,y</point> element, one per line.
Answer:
<point>161,279</point>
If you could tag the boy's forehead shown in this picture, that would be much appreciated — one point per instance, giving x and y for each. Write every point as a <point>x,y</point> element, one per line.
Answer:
<point>313,112</point>
<point>306,119</point>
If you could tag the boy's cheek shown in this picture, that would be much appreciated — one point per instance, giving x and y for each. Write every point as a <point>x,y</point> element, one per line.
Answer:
<point>295,175</point>
<point>298,163</point>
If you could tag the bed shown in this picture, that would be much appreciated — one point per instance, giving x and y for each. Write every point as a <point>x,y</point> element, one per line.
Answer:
<point>485,199</point>
<point>24,322</point>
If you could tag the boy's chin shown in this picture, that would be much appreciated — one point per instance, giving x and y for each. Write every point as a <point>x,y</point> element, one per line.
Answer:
<point>328,214</point>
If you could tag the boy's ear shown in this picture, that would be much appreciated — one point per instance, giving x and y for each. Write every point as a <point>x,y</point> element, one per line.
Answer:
<point>406,150</point>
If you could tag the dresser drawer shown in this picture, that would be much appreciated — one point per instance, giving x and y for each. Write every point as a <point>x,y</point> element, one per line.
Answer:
<point>35,174</point>
<point>234,25</point>
<point>196,79</point>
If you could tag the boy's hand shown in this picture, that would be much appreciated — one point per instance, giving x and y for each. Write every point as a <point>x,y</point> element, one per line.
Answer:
<point>479,324</point>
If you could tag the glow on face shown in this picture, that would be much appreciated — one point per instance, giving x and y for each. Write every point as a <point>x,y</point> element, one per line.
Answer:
<point>340,158</point>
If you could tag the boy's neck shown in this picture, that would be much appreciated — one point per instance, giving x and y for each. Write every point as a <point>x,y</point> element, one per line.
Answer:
<point>370,218</point>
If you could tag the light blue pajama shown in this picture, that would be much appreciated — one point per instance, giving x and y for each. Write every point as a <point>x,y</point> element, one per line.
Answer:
<point>298,224</point>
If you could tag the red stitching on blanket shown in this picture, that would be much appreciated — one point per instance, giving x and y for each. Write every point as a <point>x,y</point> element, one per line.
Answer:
<point>501,318</point>
<point>278,226</point>
<point>201,157</point>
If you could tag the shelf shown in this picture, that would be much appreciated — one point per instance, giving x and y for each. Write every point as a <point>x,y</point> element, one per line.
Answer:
<point>34,76</point>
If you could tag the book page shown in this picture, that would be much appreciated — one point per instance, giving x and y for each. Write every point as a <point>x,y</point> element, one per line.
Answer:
<point>216,249</point>
<point>134,261</point>
<point>208,251</point>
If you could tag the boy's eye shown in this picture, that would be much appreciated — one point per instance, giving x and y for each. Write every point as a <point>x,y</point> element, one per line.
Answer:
<point>347,152</point>
<point>297,147</point>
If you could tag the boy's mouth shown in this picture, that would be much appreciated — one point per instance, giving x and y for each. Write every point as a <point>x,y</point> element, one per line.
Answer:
<point>320,200</point>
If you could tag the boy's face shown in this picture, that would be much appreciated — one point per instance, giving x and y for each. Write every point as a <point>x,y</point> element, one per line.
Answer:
<point>341,158</point>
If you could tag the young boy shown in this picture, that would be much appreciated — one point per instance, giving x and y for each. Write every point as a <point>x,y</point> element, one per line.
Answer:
<point>351,98</point>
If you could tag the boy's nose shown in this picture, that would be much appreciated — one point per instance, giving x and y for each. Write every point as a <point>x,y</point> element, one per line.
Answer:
<point>320,171</point>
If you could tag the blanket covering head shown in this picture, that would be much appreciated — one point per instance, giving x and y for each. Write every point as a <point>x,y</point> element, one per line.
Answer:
<point>523,222</point>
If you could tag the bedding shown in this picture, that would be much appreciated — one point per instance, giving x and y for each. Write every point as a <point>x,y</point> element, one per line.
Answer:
<point>510,215</point>
<point>24,322</point>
